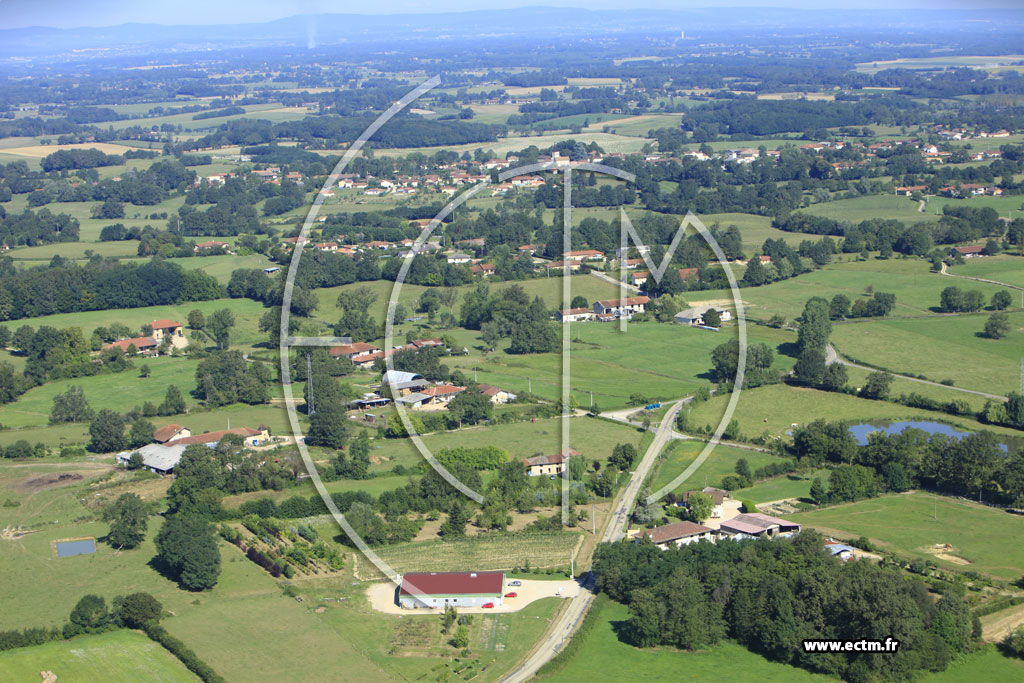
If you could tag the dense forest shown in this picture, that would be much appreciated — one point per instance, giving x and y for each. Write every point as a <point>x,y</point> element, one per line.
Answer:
<point>771,594</point>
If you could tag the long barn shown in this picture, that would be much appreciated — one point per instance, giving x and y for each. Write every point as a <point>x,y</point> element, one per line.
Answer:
<point>458,589</point>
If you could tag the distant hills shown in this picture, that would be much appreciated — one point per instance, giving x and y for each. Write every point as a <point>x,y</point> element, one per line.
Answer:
<point>537,23</point>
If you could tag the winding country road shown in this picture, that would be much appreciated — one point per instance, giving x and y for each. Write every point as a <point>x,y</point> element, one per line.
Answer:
<point>614,530</point>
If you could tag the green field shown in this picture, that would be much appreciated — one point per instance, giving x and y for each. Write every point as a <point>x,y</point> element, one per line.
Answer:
<point>876,206</point>
<point>987,664</point>
<point>1002,268</point>
<point>781,488</point>
<point>244,333</point>
<point>917,290</point>
<point>659,360</point>
<point>938,348</point>
<point>236,415</point>
<point>604,657</point>
<point>116,391</point>
<point>721,462</point>
<point>774,409</point>
<point>127,656</point>
<point>912,523</point>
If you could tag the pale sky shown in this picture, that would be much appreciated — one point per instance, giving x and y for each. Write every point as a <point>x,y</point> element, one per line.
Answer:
<point>75,13</point>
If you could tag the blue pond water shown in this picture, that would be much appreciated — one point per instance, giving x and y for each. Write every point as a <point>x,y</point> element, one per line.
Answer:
<point>860,431</point>
<point>72,548</point>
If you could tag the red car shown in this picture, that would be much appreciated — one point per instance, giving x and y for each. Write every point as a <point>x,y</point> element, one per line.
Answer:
<point>488,605</point>
<point>513,594</point>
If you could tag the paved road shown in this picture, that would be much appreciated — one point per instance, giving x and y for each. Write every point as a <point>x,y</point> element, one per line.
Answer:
<point>613,531</point>
<point>832,357</point>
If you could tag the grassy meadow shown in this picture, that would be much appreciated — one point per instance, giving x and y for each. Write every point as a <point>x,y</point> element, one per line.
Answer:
<point>117,657</point>
<point>911,524</point>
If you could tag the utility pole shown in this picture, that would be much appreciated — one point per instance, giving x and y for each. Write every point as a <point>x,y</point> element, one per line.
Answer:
<point>593,518</point>
<point>572,563</point>
<point>529,381</point>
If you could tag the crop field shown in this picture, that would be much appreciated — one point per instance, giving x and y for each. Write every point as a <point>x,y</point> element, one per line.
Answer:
<point>774,409</point>
<point>221,266</point>
<point>911,524</point>
<point>607,141</point>
<point>483,552</point>
<point>603,655</point>
<point>946,61</point>
<point>637,126</point>
<point>120,656</point>
<point>937,348</point>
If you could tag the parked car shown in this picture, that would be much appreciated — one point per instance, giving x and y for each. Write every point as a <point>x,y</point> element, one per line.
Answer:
<point>488,605</point>
<point>515,583</point>
<point>513,594</point>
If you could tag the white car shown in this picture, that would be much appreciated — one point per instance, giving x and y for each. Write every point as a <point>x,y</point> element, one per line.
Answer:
<point>515,583</point>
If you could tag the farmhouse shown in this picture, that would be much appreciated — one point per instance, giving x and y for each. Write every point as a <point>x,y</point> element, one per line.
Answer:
<point>458,589</point>
<point>695,316</point>
<point>212,244</point>
<point>725,506</point>
<point>170,433</point>
<point>169,330</point>
<point>621,307</point>
<point>251,437</point>
<point>972,251</point>
<point>548,464</point>
<point>755,524</point>
<point>496,395</point>
<point>459,258</point>
<point>350,351</point>
<point>584,255</point>
<point>572,315</point>
<point>679,533</point>
<point>559,265</point>
<point>144,345</point>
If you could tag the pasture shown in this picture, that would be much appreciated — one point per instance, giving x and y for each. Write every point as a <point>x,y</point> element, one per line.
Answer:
<point>772,410</point>
<point>917,289</point>
<point>911,524</point>
<point>721,462</point>
<point>1001,268</point>
<point>876,206</point>
<point>937,348</point>
<point>119,656</point>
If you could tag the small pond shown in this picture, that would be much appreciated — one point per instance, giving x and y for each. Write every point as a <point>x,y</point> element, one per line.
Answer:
<point>860,431</point>
<point>72,548</point>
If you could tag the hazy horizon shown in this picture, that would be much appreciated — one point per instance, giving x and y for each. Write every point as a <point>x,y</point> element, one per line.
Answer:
<point>16,14</point>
